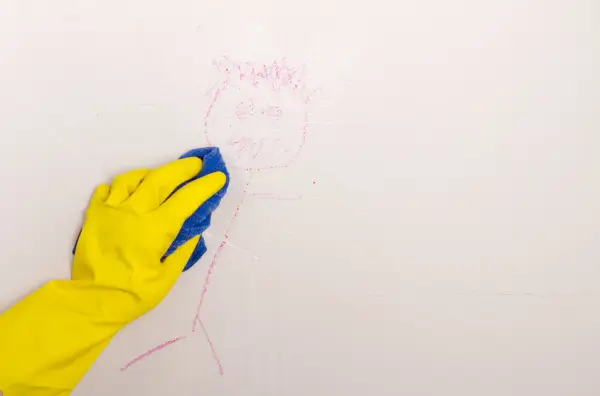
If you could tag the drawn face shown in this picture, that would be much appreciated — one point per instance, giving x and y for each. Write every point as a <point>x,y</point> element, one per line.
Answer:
<point>256,126</point>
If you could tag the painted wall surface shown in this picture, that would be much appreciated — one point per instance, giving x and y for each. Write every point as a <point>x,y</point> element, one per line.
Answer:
<point>415,198</point>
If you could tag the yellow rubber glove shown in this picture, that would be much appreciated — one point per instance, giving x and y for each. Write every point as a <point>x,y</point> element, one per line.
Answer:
<point>50,339</point>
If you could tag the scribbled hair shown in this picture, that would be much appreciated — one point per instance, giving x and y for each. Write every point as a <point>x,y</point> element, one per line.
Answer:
<point>276,75</point>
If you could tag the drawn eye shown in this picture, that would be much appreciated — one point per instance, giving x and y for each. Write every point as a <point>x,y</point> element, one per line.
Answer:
<point>244,110</point>
<point>273,112</point>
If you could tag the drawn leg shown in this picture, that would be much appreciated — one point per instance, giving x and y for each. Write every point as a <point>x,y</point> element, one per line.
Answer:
<point>151,351</point>
<point>209,273</point>
<point>212,348</point>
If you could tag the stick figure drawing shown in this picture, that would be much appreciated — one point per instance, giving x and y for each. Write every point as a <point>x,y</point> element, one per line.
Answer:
<point>258,117</point>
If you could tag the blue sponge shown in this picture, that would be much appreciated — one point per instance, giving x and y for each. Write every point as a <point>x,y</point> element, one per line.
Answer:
<point>196,224</point>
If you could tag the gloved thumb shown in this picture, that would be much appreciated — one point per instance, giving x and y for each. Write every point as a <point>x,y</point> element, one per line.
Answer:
<point>175,263</point>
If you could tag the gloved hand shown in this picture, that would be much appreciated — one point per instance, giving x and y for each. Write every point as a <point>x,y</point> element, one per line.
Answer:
<point>130,225</point>
<point>51,338</point>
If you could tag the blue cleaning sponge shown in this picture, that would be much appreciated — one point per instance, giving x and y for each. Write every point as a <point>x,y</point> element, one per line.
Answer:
<point>197,223</point>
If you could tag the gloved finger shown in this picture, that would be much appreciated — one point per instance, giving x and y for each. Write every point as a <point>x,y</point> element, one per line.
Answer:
<point>175,263</point>
<point>189,198</point>
<point>124,185</point>
<point>161,182</point>
<point>100,195</point>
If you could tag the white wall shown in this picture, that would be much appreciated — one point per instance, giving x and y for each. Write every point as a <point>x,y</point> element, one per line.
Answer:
<point>437,233</point>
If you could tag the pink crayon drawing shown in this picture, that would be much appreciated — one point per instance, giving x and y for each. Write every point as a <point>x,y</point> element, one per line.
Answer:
<point>212,347</point>
<point>151,351</point>
<point>270,104</point>
<point>258,117</point>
